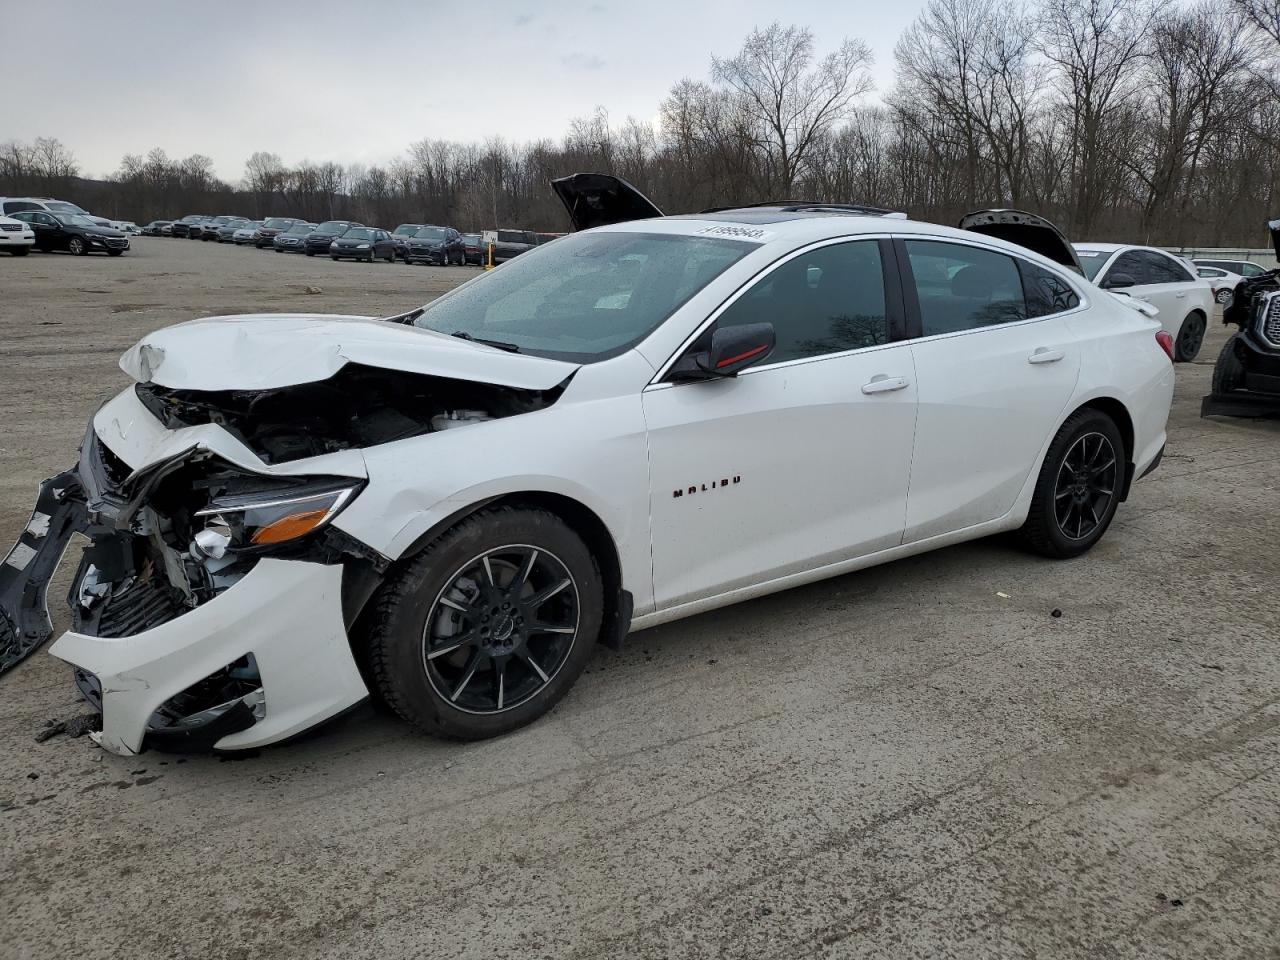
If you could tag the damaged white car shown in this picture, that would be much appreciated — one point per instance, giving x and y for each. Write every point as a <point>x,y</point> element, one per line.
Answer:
<point>449,509</point>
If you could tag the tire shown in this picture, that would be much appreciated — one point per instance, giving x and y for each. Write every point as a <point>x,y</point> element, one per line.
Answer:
<point>1190,337</point>
<point>465,691</point>
<point>77,247</point>
<point>333,258</point>
<point>1228,372</point>
<point>19,251</point>
<point>1057,525</point>
<point>310,253</point>
<point>1223,297</point>
<point>114,253</point>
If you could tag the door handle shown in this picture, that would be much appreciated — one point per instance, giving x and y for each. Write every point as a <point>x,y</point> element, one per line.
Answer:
<point>883,384</point>
<point>1045,355</point>
<point>1181,294</point>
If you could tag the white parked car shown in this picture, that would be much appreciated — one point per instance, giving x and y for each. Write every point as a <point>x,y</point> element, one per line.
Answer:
<point>1245,268</point>
<point>245,234</point>
<point>1166,282</point>
<point>1222,282</point>
<point>127,226</point>
<point>450,508</point>
<point>16,237</point>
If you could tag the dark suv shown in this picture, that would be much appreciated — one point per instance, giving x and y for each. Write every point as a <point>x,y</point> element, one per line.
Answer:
<point>318,240</point>
<point>1246,378</point>
<point>512,243</point>
<point>73,233</point>
<point>441,245</point>
<point>182,228</point>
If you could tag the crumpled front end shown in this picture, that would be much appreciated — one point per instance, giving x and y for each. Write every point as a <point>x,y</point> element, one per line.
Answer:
<point>209,609</point>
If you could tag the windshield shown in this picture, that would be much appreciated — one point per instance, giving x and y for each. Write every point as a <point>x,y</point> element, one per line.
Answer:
<point>61,206</point>
<point>334,226</point>
<point>407,229</point>
<point>471,238</point>
<point>589,297</point>
<point>1092,260</point>
<point>277,223</point>
<point>299,230</point>
<point>358,233</point>
<point>73,220</point>
<point>430,233</point>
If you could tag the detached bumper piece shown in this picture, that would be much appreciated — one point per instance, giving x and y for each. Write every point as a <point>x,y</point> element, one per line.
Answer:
<point>24,576</point>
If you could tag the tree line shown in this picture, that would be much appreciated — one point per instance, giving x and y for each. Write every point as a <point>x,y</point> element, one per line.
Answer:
<point>1134,120</point>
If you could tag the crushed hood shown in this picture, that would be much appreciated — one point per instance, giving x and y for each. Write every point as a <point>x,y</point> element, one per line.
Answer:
<point>1027,230</point>
<point>599,199</point>
<point>266,351</point>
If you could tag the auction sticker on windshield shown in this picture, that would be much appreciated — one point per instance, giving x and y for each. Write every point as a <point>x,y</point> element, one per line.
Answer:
<point>738,232</point>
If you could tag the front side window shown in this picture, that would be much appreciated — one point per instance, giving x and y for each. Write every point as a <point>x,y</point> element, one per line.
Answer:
<point>591,297</point>
<point>825,300</point>
<point>963,288</point>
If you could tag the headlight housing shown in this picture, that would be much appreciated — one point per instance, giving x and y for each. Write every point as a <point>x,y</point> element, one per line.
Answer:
<point>268,518</point>
<point>363,246</point>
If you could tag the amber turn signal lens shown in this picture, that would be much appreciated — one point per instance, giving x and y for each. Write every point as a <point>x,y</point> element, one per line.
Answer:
<point>289,528</point>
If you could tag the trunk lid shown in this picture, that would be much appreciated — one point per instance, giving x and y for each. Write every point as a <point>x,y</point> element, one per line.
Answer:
<point>599,199</point>
<point>1027,230</point>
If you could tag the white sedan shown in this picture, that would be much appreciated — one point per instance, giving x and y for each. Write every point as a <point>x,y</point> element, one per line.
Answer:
<point>1222,282</point>
<point>16,238</point>
<point>448,509</point>
<point>1184,301</point>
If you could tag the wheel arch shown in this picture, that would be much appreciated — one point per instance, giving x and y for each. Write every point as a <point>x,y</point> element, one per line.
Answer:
<point>1120,416</point>
<point>584,521</point>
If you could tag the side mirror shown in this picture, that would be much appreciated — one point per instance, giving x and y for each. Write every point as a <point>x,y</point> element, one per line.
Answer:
<point>733,349</point>
<point>1118,281</point>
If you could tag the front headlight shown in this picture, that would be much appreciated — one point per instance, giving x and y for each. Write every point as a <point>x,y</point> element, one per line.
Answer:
<point>363,246</point>
<point>245,520</point>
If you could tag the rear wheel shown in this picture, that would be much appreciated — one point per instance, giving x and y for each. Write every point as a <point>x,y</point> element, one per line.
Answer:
<point>1228,372</point>
<point>1223,296</point>
<point>1190,337</point>
<point>1078,489</point>
<point>19,251</point>
<point>488,628</point>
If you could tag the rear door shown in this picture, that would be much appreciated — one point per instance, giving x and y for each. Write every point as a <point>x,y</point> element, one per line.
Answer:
<point>801,461</point>
<point>996,364</point>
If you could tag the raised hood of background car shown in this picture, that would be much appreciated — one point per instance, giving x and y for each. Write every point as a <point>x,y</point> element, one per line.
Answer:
<point>1027,230</point>
<point>262,352</point>
<point>599,199</point>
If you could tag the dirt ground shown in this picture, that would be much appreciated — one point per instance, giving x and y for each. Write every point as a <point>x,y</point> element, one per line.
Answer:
<point>918,760</point>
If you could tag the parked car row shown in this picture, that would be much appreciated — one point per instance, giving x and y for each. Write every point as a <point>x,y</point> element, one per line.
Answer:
<point>348,240</point>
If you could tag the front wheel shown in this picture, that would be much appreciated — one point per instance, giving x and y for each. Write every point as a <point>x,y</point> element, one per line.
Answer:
<point>1078,489</point>
<point>114,253</point>
<point>489,627</point>
<point>19,251</point>
<point>77,247</point>
<point>1228,372</point>
<point>1190,337</point>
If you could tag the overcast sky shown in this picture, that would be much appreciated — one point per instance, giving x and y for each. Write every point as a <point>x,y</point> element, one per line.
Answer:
<point>358,81</point>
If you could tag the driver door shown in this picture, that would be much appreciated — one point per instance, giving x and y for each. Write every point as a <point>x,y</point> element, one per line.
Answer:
<point>802,460</point>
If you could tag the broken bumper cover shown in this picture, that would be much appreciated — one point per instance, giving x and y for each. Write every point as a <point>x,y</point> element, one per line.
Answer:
<point>287,614</point>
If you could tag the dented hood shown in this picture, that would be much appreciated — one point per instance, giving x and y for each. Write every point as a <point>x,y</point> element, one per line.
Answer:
<point>266,351</point>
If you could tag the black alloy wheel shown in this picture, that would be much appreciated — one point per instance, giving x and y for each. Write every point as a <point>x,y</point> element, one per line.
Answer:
<point>1087,485</point>
<point>1190,338</point>
<point>501,629</point>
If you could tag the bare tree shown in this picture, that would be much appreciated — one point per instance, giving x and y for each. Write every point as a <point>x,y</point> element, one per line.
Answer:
<point>793,100</point>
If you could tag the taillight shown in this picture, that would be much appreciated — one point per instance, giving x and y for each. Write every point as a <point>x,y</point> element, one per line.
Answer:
<point>1165,339</point>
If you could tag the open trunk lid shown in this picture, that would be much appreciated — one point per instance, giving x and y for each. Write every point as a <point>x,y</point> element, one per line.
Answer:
<point>599,199</point>
<point>1026,230</point>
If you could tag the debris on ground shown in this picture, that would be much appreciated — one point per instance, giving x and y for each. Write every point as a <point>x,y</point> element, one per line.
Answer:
<point>1055,612</point>
<point>74,728</point>
<point>1002,595</point>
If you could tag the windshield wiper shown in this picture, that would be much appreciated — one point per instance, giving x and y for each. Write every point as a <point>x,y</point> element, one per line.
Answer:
<point>500,344</point>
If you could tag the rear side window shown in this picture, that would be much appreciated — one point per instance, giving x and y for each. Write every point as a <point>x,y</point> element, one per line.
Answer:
<point>11,205</point>
<point>963,288</point>
<point>1045,292</point>
<point>823,301</point>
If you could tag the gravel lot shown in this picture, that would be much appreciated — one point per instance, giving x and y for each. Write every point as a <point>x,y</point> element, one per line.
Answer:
<point>898,763</point>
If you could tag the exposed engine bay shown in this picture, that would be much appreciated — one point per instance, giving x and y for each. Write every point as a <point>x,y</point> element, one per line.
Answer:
<point>359,406</point>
